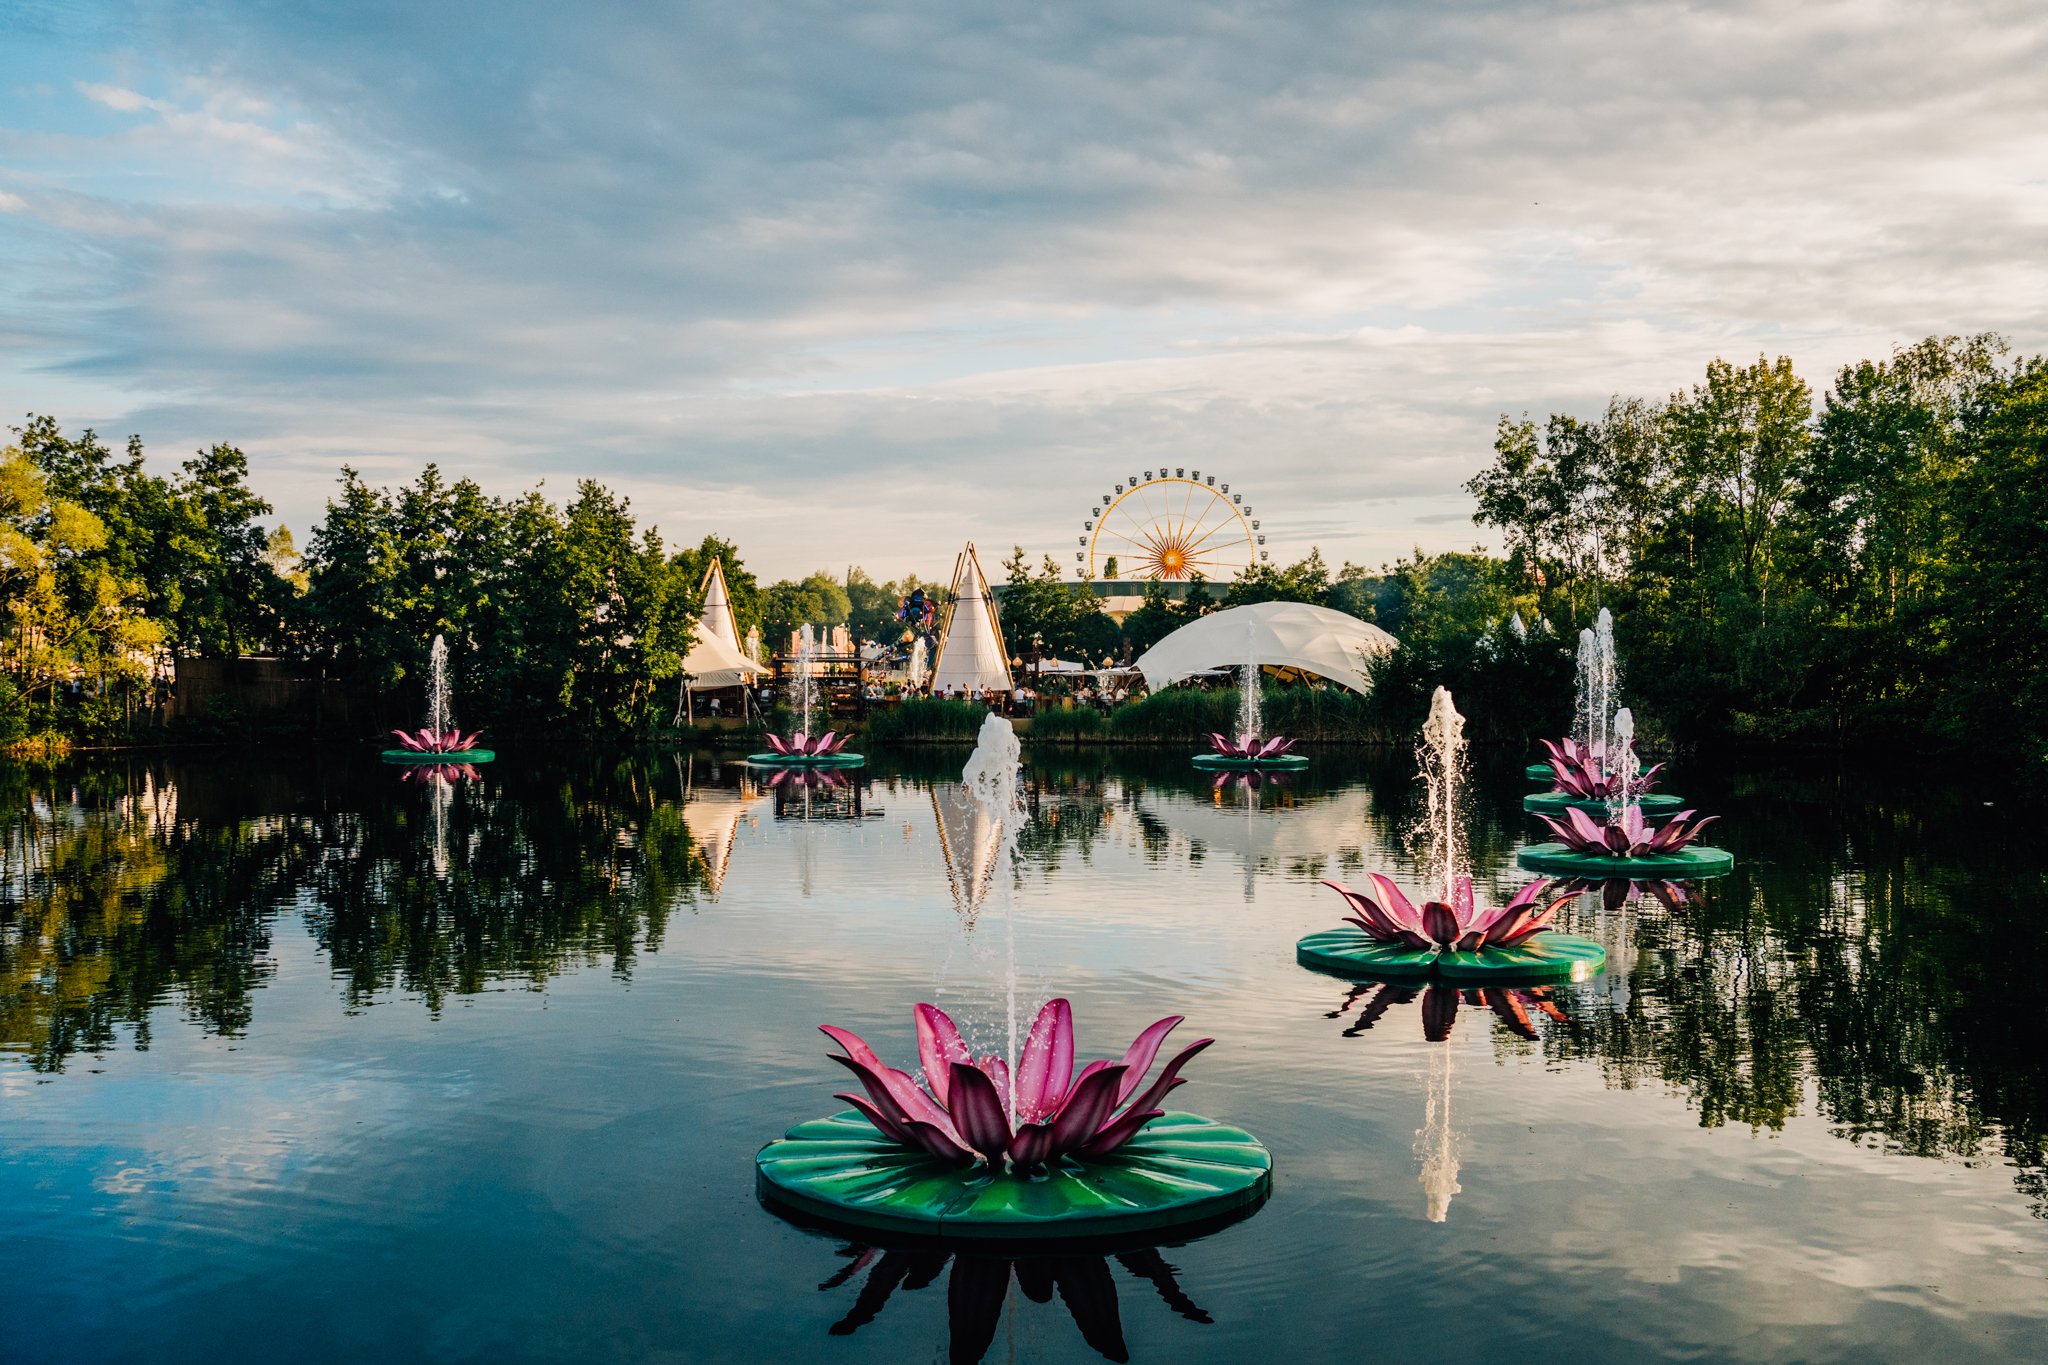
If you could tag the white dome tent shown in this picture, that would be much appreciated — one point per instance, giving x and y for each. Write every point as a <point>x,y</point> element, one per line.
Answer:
<point>972,657</point>
<point>1274,635</point>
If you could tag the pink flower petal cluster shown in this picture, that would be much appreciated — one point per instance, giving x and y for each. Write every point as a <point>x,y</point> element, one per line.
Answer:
<point>966,1117</point>
<point>1629,836</point>
<point>1250,746</point>
<point>800,745</point>
<point>426,741</point>
<point>1450,925</point>
<point>1581,771</point>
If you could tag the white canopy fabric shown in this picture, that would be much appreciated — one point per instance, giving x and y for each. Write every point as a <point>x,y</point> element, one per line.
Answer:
<point>1272,634</point>
<point>972,657</point>
<point>716,660</point>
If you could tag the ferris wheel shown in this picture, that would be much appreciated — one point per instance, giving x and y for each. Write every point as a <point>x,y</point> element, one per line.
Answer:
<point>1171,524</point>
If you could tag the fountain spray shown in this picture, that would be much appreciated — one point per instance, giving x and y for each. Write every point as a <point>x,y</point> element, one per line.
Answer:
<point>991,777</point>
<point>1249,721</point>
<point>440,716</point>
<point>1442,754</point>
<point>806,683</point>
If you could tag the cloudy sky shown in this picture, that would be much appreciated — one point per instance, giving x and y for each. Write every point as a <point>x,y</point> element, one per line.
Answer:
<point>855,282</point>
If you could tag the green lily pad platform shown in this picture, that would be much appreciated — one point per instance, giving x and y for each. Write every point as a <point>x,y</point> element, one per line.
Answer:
<point>1181,1169</point>
<point>456,756</point>
<point>1351,953</point>
<point>1554,803</point>
<point>1539,772</point>
<point>1277,763</point>
<point>1685,865</point>
<point>774,760</point>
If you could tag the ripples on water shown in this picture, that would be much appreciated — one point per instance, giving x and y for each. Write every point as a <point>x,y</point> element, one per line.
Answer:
<point>298,1060</point>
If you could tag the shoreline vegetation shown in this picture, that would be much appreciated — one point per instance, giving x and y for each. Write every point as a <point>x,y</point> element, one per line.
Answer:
<point>1857,570</point>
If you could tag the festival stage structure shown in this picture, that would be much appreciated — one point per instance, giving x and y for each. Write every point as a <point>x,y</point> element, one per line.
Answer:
<point>972,657</point>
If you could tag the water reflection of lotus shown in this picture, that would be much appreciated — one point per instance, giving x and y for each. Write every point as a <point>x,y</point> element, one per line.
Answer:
<point>1616,892</point>
<point>1510,1004</point>
<point>978,1286</point>
<point>1252,780</point>
<point>445,773</point>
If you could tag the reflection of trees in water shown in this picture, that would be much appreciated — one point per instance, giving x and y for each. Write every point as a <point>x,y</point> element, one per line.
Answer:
<point>978,1287</point>
<point>111,905</point>
<point>1877,955</point>
<point>545,874</point>
<point>139,885</point>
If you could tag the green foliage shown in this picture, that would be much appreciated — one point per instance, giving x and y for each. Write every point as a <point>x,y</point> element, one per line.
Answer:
<point>925,719</point>
<point>1188,713</point>
<point>818,600</point>
<point>553,616</point>
<point>1055,725</point>
<point>1868,572</point>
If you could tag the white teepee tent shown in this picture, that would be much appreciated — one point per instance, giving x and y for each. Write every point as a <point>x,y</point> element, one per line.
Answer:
<point>716,659</point>
<point>972,657</point>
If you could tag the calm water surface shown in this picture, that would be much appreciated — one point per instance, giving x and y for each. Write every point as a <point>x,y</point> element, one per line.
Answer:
<point>301,1061</point>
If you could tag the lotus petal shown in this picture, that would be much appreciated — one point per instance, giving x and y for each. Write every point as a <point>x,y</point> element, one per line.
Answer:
<point>1031,1146</point>
<point>1086,1109</point>
<point>886,1124</point>
<point>1046,1069</point>
<point>938,1142</point>
<point>1394,902</point>
<point>939,1045</point>
<point>1121,1129</point>
<point>1139,1055</point>
<point>824,744</point>
<point>1440,923</point>
<point>775,743</point>
<point>977,1111</point>
<point>1153,1093</point>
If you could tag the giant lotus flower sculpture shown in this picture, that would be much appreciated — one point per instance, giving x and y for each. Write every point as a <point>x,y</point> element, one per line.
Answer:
<point>1453,925</point>
<point>976,1112</point>
<point>429,741</point>
<point>801,745</point>
<point>1581,771</point>
<point>1628,836</point>
<point>1250,747</point>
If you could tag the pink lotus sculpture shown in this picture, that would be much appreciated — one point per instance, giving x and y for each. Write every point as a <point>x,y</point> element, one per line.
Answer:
<point>1250,746</point>
<point>967,1115</point>
<point>800,745</point>
<point>1448,926</point>
<point>1630,836</point>
<point>425,741</point>
<point>1581,771</point>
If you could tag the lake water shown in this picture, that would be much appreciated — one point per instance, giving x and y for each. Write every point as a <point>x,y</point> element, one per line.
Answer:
<point>300,1060</point>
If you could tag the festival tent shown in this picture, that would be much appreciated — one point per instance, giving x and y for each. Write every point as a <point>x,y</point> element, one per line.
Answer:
<point>1271,634</point>
<point>715,659</point>
<point>972,657</point>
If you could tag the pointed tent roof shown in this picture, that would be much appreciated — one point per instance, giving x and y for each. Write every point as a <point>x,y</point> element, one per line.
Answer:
<point>716,659</point>
<point>972,656</point>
